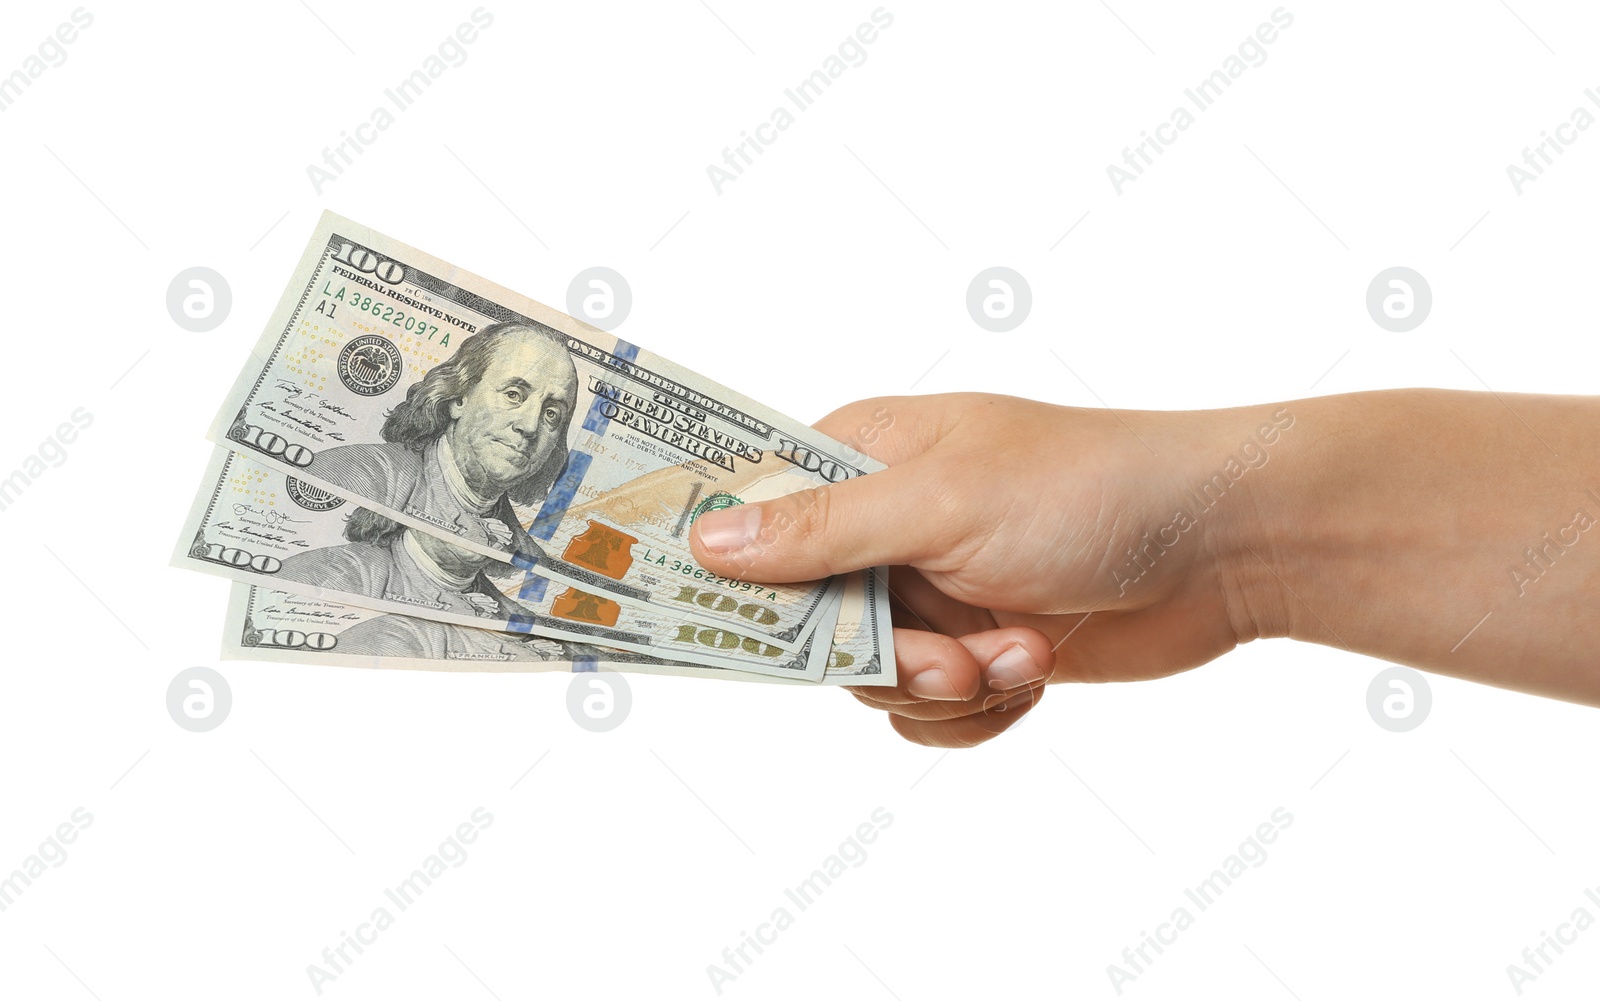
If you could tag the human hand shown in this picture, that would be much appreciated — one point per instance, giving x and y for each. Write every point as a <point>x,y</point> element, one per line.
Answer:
<point>1011,526</point>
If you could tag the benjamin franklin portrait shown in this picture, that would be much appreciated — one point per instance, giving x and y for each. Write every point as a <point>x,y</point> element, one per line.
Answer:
<point>479,431</point>
<point>483,429</point>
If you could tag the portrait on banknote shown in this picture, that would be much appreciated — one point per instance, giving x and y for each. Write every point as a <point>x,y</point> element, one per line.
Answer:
<point>483,429</point>
<point>476,434</point>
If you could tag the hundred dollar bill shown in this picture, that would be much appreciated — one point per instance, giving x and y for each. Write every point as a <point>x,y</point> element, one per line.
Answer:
<point>266,624</point>
<point>863,640</point>
<point>449,404</point>
<point>253,524</point>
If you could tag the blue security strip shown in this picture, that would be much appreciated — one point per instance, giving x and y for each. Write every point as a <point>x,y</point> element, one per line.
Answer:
<point>550,514</point>
<point>560,496</point>
<point>533,587</point>
<point>585,664</point>
<point>596,420</point>
<point>520,623</point>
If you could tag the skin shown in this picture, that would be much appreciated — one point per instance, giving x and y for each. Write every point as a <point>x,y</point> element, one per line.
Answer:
<point>510,421</point>
<point>1033,544</point>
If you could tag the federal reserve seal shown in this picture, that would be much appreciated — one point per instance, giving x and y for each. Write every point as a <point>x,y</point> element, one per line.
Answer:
<point>716,502</point>
<point>309,497</point>
<point>370,365</point>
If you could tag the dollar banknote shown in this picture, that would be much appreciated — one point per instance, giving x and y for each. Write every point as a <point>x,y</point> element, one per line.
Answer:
<point>447,404</point>
<point>253,524</point>
<point>863,641</point>
<point>267,624</point>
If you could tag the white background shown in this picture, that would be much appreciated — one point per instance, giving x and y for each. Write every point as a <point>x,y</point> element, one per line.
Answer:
<point>223,863</point>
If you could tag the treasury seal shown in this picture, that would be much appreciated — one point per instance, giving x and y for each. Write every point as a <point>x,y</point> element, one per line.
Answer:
<point>309,497</point>
<point>370,365</point>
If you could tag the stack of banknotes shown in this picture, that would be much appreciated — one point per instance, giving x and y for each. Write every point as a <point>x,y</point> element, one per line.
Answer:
<point>418,468</point>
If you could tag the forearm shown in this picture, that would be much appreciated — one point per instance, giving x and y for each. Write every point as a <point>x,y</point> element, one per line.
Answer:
<point>1451,531</point>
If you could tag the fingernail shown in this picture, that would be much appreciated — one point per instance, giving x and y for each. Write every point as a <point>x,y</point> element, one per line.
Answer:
<point>933,684</point>
<point>1014,669</point>
<point>730,528</point>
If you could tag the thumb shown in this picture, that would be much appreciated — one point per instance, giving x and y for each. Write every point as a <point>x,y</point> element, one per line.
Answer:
<point>881,518</point>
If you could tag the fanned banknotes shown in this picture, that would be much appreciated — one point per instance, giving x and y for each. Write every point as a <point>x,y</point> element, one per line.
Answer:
<point>441,401</point>
<point>424,469</point>
<point>255,525</point>
<point>264,624</point>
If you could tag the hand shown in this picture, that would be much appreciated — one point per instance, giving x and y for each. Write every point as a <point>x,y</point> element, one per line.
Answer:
<point>1030,544</point>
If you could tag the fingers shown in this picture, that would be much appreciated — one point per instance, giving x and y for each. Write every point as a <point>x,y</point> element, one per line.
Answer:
<point>968,731</point>
<point>1014,657</point>
<point>981,664</point>
<point>958,693</point>
<point>931,667</point>
<point>885,518</point>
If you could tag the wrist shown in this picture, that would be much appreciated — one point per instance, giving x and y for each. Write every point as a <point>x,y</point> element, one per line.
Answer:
<point>1368,503</point>
<point>1289,512</point>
